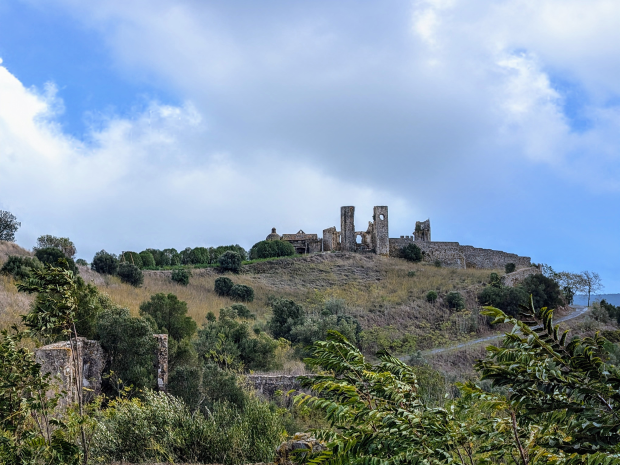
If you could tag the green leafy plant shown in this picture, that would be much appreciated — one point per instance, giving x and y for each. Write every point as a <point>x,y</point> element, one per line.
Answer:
<point>412,253</point>
<point>181,277</point>
<point>170,315</point>
<point>105,263</point>
<point>431,296</point>
<point>56,257</point>
<point>8,226</point>
<point>223,285</point>
<point>241,293</point>
<point>148,261</point>
<point>230,261</point>
<point>286,315</point>
<point>130,274</point>
<point>270,249</point>
<point>510,267</point>
<point>20,267</point>
<point>455,300</point>
<point>132,258</point>
<point>64,244</point>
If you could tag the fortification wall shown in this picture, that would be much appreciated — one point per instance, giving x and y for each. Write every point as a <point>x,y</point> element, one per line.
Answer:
<point>267,385</point>
<point>459,256</point>
<point>514,278</point>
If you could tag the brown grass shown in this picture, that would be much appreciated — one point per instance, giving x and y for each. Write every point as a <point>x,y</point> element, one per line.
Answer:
<point>12,303</point>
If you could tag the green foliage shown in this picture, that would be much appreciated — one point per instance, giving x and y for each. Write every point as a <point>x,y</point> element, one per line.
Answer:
<point>216,252</point>
<point>613,312</point>
<point>223,285</point>
<point>105,263</point>
<point>20,267</point>
<point>411,274</point>
<point>507,298</point>
<point>455,300</point>
<point>437,263</point>
<point>170,257</point>
<point>411,252</point>
<point>510,267</point>
<point>561,391</point>
<point>81,262</point>
<point>160,428</point>
<point>241,293</point>
<point>133,258</point>
<point>181,277</point>
<point>64,244</point>
<point>54,256</point>
<point>331,318</point>
<point>229,343</point>
<point>130,274</point>
<point>230,261</point>
<point>90,304</point>
<point>545,291</point>
<point>431,296</point>
<point>269,249</point>
<point>495,280</point>
<point>169,315</point>
<point>8,226</point>
<point>29,430</point>
<point>130,346</point>
<point>286,315</point>
<point>148,261</point>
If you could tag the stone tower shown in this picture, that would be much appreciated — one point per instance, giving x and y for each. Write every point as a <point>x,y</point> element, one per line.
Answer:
<point>347,229</point>
<point>381,239</point>
<point>422,231</point>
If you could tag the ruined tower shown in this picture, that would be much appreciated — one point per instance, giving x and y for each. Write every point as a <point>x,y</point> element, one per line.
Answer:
<point>381,239</point>
<point>347,229</point>
<point>422,231</point>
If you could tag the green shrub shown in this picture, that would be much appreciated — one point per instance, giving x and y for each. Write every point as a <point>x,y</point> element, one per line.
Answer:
<point>437,263</point>
<point>431,296</point>
<point>170,257</point>
<point>170,315</point>
<point>495,280</point>
<point>130,274</point>
<point>411,274</point>
<point>269,249</point>
<point>160,428</point>
<point>105,263</point>
<point>61,243</point>
<point>181,277</point>
<point>129,345</point>
<point>242,293</point>
<point>52,255</point>
<point>544,291</point>
<point>81,262</point>
<point>223,285</point>
<point>199,255</point>
<point>455,301</point>
<point>148,261</point>
<point>216,252</point>
<point>132,258</point>
<point>230,261</point>
<point>412,253</point>
<point>506,299</point>
<point>20,267</point>
<point>286,315</point>
<point>510,267</point>
<point>8,226</point>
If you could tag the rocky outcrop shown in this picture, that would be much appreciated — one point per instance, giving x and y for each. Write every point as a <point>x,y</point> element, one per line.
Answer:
<point>300,443</point>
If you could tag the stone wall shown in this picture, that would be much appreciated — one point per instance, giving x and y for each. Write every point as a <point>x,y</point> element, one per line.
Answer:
<point>381,240</point>
<point>514,278</point>
<point>460,256</point>
<point>347,229</point>
<point>160,361</point>
<point>330,239</point>
<point>267,385</point>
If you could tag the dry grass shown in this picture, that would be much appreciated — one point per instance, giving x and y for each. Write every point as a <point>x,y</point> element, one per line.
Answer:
<point>11,248</point>
<point>12,303</point>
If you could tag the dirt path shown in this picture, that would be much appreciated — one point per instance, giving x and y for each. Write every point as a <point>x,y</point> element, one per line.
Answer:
<point>578,311</point>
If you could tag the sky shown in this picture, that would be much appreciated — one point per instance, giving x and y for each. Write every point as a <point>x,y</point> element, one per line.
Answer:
<point>148,123</point>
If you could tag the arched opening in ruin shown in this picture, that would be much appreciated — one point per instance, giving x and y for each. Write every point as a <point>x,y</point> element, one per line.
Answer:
<point>382,217</point>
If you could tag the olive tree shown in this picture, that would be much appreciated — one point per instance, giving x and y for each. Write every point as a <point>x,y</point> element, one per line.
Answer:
<point>8,226</point>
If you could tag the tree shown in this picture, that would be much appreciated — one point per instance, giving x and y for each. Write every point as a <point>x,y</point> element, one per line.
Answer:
<point>507,298</point>
<point>412,253</point>
<point>455,301</point>
<point>147,259</point>
<point>545,291</point>
<point>61,243</point>
<point>170,315</point>
<point>55,256</point>
<point>590,283</point>
<point>8,226</point>
<point>20,267</point>
<point>270,249</point>
<point>105,263</point>
<point>170,257</point>
<point>130,274</point>
<point>181,277</point>
<point>223,285</point>
<point>286,315</point>
<point>230,261</point>
<point>132,258</point>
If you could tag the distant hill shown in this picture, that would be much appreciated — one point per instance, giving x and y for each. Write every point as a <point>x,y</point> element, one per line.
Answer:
<point>613,299</point>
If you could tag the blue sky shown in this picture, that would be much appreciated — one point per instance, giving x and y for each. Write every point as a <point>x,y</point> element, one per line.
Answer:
<point>127,125</point>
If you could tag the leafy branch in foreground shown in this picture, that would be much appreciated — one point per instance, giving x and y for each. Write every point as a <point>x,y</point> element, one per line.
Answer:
<point>562,392</point>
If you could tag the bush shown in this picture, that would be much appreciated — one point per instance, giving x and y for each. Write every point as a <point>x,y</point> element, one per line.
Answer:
<point>269,249</point>
<point>242,293</point>
<point>431,296</point>
<point>507,299</point>
<point>61,243</point>
<point>544,291</point>
<point>510,267</point>
<point>148,261</point>
<point>223,285</point>
<point>130,274</point>
<point>132,258</point>
<point>199,256</point>
<point>81,262</point>
<point>455,301</point>
<point>170,257</point>
<point>20,267</point>
<point>160,428</point>
<point>105,263</point>
<point>170,315</point>
<point>437,263</point>
<point>412,253</point>
<point>411,274</point>
<point>181,277</point>
<point>286,315</point>
<point>495,280</point>
<point>230,261</point>
<point>129,345</point>
<point>51,255</point>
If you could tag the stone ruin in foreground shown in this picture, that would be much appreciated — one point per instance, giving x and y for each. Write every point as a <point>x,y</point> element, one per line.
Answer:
<point>376,239</point>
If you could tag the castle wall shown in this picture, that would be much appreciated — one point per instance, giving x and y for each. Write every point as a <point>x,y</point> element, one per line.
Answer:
<point>330,239</point>
<point>381,239</point>
<point>347,229</point>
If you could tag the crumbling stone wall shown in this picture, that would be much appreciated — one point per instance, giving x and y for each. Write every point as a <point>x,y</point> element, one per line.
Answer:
<point>267,385</point>
<point>381,239</point>
<point>160,361</point>
<point>57,359</point>
<point>330,239</point>
<point>516,277</point>
<point>422,232</point>
<point>347,229</point>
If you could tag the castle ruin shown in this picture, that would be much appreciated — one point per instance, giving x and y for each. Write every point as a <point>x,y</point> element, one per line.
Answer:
<point>376,240</point>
